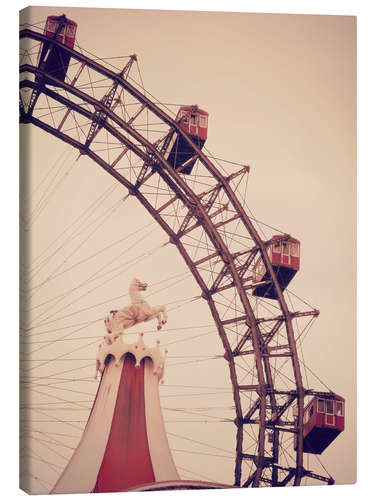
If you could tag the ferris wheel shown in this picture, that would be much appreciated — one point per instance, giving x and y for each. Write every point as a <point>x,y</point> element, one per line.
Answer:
<point>241,268</point>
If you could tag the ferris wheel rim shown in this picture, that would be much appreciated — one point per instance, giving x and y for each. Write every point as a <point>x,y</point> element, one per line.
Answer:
<point>184,193</point>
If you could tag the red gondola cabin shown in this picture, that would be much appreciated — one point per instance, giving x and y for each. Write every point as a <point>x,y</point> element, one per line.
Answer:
<point>284,254</point>
<point>176,149</point>
<point>52,59</point>
<point>323,421</point>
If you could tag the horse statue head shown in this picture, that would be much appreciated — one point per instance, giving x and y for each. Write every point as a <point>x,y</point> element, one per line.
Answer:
<point>138,285</point>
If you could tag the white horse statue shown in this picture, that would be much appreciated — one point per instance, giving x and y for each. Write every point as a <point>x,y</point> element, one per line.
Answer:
<point>138,311</point>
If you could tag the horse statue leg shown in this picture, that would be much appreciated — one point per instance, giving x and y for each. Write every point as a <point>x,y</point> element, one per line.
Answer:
<point>158,312</point>
<point>163,310</point>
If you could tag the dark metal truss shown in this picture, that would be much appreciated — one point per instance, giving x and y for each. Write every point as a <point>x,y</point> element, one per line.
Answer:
<point>246,337</point>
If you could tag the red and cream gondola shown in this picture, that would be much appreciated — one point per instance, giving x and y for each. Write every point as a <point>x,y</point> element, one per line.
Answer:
<point>53,59</point>
<point>176,150</point>
<point>284,254</point>
<point>323,421</point>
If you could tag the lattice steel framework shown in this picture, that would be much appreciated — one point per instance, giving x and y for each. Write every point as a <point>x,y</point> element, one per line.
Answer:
<point>122,129</point>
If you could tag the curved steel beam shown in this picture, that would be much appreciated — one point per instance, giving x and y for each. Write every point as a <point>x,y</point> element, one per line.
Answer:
<point>172,178</point>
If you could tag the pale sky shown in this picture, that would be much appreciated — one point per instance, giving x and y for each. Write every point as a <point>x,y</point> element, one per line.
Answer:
<point>280,91</point>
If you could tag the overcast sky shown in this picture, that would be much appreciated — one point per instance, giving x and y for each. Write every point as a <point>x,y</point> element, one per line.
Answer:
<point>280,92</point>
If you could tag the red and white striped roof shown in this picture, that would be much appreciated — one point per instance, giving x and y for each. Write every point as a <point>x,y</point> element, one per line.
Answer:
<point>124,444</point>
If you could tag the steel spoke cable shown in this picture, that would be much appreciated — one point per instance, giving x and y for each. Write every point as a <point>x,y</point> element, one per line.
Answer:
<point>228,307</point>
<point>253,437</point>
<point>316,376</point>
<point>51,465</point>
<point>47,344</point>
<point>209,154</point>
<point>57,409</point>
<point>56,443</point>
<point>200,421</point>
<point>51,113</point>
<point>46,112</point>
<point>65,354</point>
<point>46,322</point>
<point>196,361</point>
<point>65,389</point>
<point>238,365</point>
<point>198,182</point>
<point>289,291</point>
<point>86,260</point>
<point>303,357</point>
<point>269,307</point>
<point>87,323</point>
<point>45,377</point>
<point>130,263</point>
<point>96,305</point>
<point>55,384</point>
<point>104,60</point>
<point>88,72</point>
<point>113,259</point>
<point>303,334</point>
<point>58,380</point>
<point>192,356</point>
<point>96,82</point>
<point>84,324</point>
<point>284,378</point>
<point>49,191</point>
<point>286,452</point>
<point>59,399</point>
<point>29,195</point>
<point>140,75</point>
<point>195,474</point>
<point>200,453</point>
<point>101,59</point>
<point>202,408</point>
<point>78,231</point>
<point>56,419</point>
<point>43,483</point>
<point>230,235</point>
<point>199,442</point>
<point>212,332</point>
<point>32,378</point>
<point>42,404</point>
<point>290,380</point>
<point>50,433</point>
<point>60,356</point>
<point>189,412</point>
<point>59,372</point>
<point>89,210</point>
<point>104,218</point>
<point>321,464</point>
<point>26,55</point>
<point>45,444</point>
<point>195,386</point>
<point>200,394</point>
<point>45,421</point>
<point>61,379</point>
<point>250,373</point>
<point>37,25</point>
<point>79,128</point>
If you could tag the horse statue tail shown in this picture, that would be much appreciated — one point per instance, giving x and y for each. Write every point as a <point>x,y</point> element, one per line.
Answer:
<point>106,322</point>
